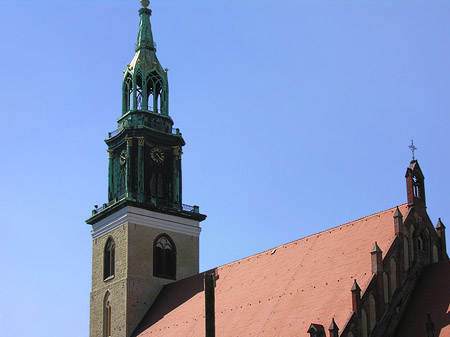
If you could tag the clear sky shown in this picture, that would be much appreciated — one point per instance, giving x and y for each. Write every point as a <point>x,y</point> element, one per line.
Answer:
<point>297,117</point>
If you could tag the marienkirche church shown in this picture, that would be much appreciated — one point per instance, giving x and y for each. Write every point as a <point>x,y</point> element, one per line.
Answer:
<point>384,275</point>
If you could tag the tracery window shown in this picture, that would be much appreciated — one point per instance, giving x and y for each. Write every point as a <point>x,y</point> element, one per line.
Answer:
<point>164,257</point>
<point>154,88</point>
<point>109,259</point>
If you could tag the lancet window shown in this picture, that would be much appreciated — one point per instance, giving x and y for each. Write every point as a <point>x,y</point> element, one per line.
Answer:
<point>107,316</point>
<point>109,259</point>
<point>393,272</point>
<point>154,92</point>
<point>127,94</point>
<point>139,92</point>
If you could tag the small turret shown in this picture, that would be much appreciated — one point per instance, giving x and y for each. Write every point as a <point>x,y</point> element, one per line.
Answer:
<point>415,185</point>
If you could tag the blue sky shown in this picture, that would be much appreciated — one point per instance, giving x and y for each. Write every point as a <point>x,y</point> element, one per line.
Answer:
<point>297,117</point>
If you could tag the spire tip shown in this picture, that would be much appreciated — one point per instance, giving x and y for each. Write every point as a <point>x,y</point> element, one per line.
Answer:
<point>145,3</point>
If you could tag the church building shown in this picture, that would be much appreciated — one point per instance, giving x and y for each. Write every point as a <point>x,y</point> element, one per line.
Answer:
<point>384,275</point>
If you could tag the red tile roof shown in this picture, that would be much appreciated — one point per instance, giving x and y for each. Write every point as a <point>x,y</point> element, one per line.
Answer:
<point>278,292</point>
<point>431,295</point>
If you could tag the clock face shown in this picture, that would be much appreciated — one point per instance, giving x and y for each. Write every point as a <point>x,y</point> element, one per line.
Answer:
<point>157,155</point>
<point>123,157</point>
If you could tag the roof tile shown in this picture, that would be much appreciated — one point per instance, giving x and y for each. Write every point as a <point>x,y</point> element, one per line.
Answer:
<point>280,291</point>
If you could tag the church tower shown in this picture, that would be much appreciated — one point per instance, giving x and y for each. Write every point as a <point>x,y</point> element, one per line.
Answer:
<point>144,236</point>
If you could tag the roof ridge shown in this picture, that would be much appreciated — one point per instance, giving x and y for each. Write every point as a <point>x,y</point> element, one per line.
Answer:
<point>306,237</point>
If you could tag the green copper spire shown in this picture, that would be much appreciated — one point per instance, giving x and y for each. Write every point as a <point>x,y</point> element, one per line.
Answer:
<point>145,36</point>
<point>145,86</point>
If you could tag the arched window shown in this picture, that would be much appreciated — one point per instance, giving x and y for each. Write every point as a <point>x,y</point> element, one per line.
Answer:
<point>416,187</point>
<point>107,316</point>
<point>406,253</point>
<point>372,312</point>
<point>109,259</point>
<point>154,87</point>
<point>435,254</point>
<point>420,243</point>
<point>393,272</point>
<point>411,244</point>
<point>386,287</point>
<point>127,91</point>
<point>364,326</point>
<point>139,86</point>
<point>164,257</point>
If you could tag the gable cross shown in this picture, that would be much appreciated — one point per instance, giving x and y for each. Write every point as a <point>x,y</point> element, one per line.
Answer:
<point>413,148</point>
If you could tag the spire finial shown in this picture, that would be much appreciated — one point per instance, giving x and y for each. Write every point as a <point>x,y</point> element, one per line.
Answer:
<point>145,36</point>
<point>412,147</point>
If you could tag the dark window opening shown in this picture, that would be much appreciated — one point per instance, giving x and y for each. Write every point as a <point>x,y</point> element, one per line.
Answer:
<point>164,257</point>
<point>154,86</point>
<point>416,188</point>
<point>109,259</point>
<point>420,244</point>
<point>139,101</point>
<point>122,182</point>
<point>160,187</point>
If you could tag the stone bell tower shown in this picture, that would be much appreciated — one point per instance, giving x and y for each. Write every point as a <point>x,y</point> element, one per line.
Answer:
<point>143,237</point>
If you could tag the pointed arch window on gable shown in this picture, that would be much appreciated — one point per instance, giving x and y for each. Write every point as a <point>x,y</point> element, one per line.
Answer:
<point>109,259</point>
<point>393,279</point>
<point>364,325</point>
<point>420,243</point>
<point>164,257</point>
<point>416,188</point>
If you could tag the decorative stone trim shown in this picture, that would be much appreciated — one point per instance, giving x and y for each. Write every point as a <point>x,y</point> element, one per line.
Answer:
<point>142,217</point>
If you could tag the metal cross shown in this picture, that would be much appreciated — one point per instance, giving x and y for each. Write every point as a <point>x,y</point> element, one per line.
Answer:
<point>413,148</point>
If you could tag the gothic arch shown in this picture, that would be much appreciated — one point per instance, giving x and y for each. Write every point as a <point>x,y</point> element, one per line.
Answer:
<point>364,325</point>
<point>107,315</point>
<point>386,287</point>
<point>164,257</point>
<point>393,273</point>
<point>411,244</point>
<point>109,256</point>
<point>435,254</point>
<point>406,253</point>
<point>372,312</point>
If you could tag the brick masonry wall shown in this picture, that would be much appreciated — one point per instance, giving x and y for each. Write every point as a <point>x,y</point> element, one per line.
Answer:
<point>133,288</point>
